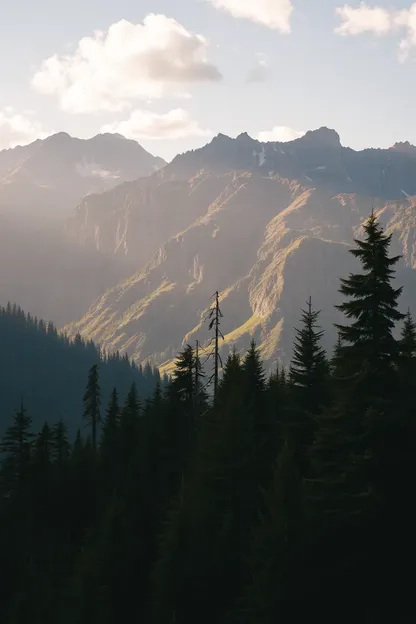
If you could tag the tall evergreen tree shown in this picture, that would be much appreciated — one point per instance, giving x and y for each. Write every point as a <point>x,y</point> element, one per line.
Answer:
<point>15,448</point>
<point>92,401</point>
<point>407,343</point>
<point>368,344</point>
<point>110,445</point>
<point>111,425</point>
<point>60,445</point>
<point>129,426</point>
<point>309,371</point>
<point>183,383</point>
<point>356,457</point>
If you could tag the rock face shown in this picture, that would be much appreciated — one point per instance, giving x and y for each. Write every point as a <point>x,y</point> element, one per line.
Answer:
<point>266,243</point>
<point>47,178</point>
<point>266,224</point>
<point>135,219</point>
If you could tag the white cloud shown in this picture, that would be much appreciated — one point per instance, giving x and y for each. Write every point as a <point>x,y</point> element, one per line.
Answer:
<point>356,21</point>
<point>379,21</point>
<point>129,62</point>
<point>274,14</point>
<point>282,134</point>
<point>407,19</point>
<point>144,124</point>
<point>16,129</point>
<point>258,73</point>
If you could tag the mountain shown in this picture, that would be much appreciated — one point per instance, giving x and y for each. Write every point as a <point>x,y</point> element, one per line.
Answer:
<point>136,218</point>
<point>317,158</point>
<point>49,177</point>
<point>49,373</point>
<point>49,275</point>
<point>267,225</point>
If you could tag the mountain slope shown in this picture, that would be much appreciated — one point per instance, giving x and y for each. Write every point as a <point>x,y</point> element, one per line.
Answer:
<point>265,224</point>
<point>49,177</point>
<point>136,218</point>
<point>50,276</point>
<point>49,373</point>
<point>266,244</point>
<point>318,159</point>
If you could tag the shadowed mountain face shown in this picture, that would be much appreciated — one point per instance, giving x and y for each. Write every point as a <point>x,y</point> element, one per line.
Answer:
<point>47,178</point>
<point>53,278</point>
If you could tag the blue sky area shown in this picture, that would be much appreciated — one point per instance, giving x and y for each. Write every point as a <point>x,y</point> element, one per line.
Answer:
<point>252,69</point>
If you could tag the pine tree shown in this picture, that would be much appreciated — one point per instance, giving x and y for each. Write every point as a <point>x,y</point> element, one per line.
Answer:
<point>129,425</point>
<point>255,385</point>
<point>15,448</point>
<point>183,383</point>
<point>60,444</point>
<point>110,445</point>
<point>309,371</point>
<point>92,401</point>
<point>356,458</point>
<point>368,345</point>
<point>111,424</point>
<point>407,344</point>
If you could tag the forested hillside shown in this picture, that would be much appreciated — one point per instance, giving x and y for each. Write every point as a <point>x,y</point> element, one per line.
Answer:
<point>48,372</point>
<point>287,499</point>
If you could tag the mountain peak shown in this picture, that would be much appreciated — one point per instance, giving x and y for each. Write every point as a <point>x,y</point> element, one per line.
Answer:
<point>244,136</point>
<point>405,147</point>
<point>108,136</point>
<point>221,137</point>
<point>59,137</point>
<point>322,137</point>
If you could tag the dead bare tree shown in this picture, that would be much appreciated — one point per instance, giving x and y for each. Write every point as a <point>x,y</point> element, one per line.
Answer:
<point>214,317</point>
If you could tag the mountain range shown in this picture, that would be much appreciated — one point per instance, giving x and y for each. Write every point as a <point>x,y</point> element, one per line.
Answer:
<point>146,244</point>
<point>49,177</point>
<point>265,224</point>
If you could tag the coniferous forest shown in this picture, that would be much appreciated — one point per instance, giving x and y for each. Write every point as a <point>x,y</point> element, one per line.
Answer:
<point>52,371</point>
<point>278,499</point>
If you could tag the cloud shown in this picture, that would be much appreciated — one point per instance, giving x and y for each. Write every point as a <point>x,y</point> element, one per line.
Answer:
<point>129,62</point>
<point>274,14</point>
<point>258,73</point>
<point>281,134</point>
<point>407,19</point>
<point>356,21</point>
<point>16,129</point>
<point>379,21</point>
<point>144,124</point>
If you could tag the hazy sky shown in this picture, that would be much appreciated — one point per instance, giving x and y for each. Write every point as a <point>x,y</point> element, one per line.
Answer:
<point>172,73</point>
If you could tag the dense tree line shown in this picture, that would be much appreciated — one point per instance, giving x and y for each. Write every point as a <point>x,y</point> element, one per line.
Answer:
<point>48,370</point>
<point>280,499</point>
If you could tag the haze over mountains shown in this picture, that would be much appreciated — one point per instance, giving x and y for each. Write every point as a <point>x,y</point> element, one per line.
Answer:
<point>47,178</point>
<point>267,224</point>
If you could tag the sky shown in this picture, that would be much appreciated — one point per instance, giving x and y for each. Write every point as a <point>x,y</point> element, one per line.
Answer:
<point>174,73</point>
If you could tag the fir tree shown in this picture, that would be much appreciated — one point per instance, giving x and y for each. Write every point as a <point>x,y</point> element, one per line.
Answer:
<point>110,444</point>
<point>60,444</point>
<point>183,383</point>
<point>111,425</point>
<point>16,451</point>
<point>368,345</point>
<point>407,344</point>
<point>92,400</point>
<point>309,371</point>
<point>129,425</point>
